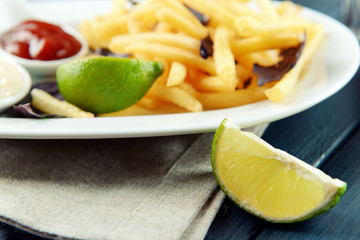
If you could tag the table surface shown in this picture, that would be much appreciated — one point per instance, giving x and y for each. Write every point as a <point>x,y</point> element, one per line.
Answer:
<point>326,136</point>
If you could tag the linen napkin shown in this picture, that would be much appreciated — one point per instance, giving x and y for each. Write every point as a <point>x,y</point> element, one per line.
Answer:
<point>141,188</point>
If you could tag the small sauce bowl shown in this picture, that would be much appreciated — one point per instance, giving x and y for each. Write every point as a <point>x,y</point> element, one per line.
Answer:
<point>48,68</point>
<point>8,101</point>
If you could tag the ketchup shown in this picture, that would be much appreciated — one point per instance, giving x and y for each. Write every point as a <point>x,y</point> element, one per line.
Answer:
<point>39,40</point>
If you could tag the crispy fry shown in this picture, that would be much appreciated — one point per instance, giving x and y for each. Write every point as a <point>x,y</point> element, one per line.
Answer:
<point>232,99</point>
<point>119,7</point>
<point>177,21</point>
<point>288,8</point>
<point>224,60</point>
<point>184,11</point>
<point>176,96</point>
<point>239,9</point>
<point>173,54</point>
<point>135,26</point>
<point>247,26</point>
<point>109,28</point>
<point>264,58</point>
<point>48,104</point>
<point>243,75</point>
<point>163,27</point>
<point>267,9</point>
<point>214,84</point>
<point>265,42</point>
<point>187,87</point>
<point>177,74</point>
<point>86,29</point>
<point>149,102</point>
<point>119,43</point>
<point>145,12</point>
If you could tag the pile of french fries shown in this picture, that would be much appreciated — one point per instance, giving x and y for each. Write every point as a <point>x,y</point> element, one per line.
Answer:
<point>243,33</point>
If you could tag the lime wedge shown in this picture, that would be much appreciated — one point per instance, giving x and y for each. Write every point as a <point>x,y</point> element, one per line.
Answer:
<point>269,182</point>
<point>106,84</point>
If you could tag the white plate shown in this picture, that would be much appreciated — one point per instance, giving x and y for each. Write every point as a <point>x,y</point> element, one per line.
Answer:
<point>341,60</point>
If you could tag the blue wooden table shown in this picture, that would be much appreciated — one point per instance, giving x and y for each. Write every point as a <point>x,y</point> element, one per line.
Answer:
<point>327,136</point>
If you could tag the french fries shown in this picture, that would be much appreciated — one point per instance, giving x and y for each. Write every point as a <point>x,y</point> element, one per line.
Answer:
<point>119,43</point>
<point>46,103</point>
<point>179,22</point>
<point>177,74</point>
<point>224,59</point>
<point>196,78</point>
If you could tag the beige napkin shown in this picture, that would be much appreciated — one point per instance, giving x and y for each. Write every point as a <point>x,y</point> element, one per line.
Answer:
<point>141,188</point>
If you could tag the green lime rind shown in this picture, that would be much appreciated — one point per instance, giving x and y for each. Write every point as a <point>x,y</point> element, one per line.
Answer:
<point>331,203</point>
<point>106,84</point>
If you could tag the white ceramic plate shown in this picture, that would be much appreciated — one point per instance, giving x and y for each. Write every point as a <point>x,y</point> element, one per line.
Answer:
<point>326,76</point>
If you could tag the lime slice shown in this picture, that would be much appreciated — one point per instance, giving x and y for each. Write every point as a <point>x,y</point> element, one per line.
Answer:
<point>106,84</point>
<point>269,182</point>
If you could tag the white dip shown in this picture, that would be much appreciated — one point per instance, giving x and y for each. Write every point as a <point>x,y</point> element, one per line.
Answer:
<point>11,80</point>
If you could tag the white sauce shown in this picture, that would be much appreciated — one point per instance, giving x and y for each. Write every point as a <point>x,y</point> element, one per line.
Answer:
<point>11,80</point>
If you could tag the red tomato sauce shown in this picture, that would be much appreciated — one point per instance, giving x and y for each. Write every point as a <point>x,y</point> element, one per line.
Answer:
<point>40,41</point>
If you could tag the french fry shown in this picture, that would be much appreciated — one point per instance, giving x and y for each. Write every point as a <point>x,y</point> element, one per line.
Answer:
<point>224,60</point>
<point>173,54</point>
<point>247,26</point>
<point>177,21</point>
<point>119,43</point>
<point>267,9</point>
<point>119,7</point>
<point>109,28</point>
<point>164,27</point>
<point>135,26</point>
<point>242,75</point>
<point>184,11</point>
<point>265,42</point>
<point>264,58</point>
<point>232,99</point>
<point>287,84</point>
<point>166,66</point>
<point>48,104</point>
<point>288,8</point>
<point>187,87</point>
<point>239,8</point>
<point>149,102</point>
<point>176,96</point>
<point>145,12</point>
<point>177,74</point>
<point>86,29</point>
<point>214,84</point>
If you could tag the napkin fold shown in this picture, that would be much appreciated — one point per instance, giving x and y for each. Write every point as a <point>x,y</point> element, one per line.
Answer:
<point>140,188</point>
